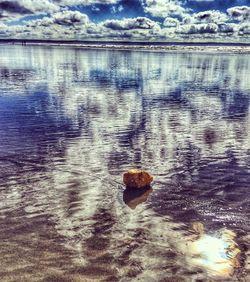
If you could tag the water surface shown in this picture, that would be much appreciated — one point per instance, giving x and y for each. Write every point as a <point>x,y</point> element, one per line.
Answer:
<point>72,121</point>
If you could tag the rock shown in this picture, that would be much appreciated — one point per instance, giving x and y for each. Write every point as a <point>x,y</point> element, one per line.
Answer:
<point>136,178</point>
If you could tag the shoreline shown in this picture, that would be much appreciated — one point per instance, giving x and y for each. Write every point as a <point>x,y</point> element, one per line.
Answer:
<point>203,48</point>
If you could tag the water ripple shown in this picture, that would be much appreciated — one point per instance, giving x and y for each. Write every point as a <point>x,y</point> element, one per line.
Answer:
<point>72,121</point>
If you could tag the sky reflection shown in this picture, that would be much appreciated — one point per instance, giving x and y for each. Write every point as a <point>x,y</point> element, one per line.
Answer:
<point>72,121</point>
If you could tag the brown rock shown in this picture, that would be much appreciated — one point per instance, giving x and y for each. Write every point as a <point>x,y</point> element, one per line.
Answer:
<point>136,178</point>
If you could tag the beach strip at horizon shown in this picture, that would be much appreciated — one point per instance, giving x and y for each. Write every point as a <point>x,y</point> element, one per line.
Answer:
<point>223,48</point>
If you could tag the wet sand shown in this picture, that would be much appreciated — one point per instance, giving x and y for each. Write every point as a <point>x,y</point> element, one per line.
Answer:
<point>72,121</point>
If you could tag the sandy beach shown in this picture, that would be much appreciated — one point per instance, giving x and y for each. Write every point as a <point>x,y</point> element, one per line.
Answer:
<point>142,46</point>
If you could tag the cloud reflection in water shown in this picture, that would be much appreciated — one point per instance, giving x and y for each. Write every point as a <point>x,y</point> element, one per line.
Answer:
<point>76,120</point>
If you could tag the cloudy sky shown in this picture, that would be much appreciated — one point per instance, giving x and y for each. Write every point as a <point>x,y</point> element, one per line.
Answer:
<point>221,20</point>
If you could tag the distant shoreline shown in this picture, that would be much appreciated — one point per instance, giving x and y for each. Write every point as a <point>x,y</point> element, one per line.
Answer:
<point>239,48</point>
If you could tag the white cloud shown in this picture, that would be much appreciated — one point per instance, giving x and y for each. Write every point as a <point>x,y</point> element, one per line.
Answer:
<point>62,23</point>
<point>198,28</point>
<point>10,9</point>
<point>3,30</point>
<point>85,2</point>
<point>127,24</point>
<point>210,16</point>
<point>214,23</point>
<point>228,27</point>
<point>27,6</point>
<point>41,6</point>
<point>164,8</point>
<point>171,22</point>
<point>64,18</point>
<point>140,28</point>
<point>241,13</point>
<point>76,25</point>
<point>244,29</point>
<point>70,18</point>
<point>115,9</point>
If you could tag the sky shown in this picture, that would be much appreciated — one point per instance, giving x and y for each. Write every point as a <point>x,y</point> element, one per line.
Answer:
<point>144,20</point>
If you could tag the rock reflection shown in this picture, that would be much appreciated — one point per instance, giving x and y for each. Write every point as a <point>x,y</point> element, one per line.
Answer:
<point>134,197</point>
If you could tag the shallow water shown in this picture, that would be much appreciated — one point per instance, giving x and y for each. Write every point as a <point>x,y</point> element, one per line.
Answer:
<point>72,121</point>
